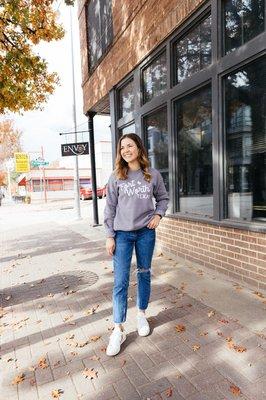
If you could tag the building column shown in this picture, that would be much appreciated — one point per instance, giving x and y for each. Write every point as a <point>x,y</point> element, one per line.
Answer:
<point>90,116</point>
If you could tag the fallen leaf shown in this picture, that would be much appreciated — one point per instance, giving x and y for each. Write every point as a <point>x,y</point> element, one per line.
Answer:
<point>169,392</point>
<point>240,349</point>
<point>94,338</point>
<point>70,336</point>
<point>199,272</point>
<point>67,318</point>
<point>57,393</point>
<point>123,362</point>
<point>259,294</point>
<point>235,390</point>
<point>42,363</point>
<point>90,373</point>
<point>180,328</point>
<point>92,310</point>
<point>211,314</point>
<point>8,298</point>
<point>195,347</point>
<point>18,379</point>
<point>233,346</point>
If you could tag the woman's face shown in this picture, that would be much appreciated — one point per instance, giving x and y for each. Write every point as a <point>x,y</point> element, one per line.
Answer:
<point>129,150</point>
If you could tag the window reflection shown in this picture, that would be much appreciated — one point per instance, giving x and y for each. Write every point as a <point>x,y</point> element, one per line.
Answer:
<point>154,78</point>
<point>193,51</point>
<point>157,142</point>
<point>127,129</point>
<point>126,100</point>
<point>245,99</point>
<point>194,130</point>
<point>244,19</point>
<point>100,29</point>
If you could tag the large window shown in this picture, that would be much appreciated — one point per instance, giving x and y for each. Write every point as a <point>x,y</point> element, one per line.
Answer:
<point>194,143</point>
<point>126,99</point>
<point>100,29</point>
<point>154,78</point>
<point>245,99</point>
<point>157,142</point>
<point>193,51</point>
<point>243,20</point>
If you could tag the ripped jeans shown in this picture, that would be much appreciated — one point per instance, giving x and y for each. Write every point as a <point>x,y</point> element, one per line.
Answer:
<point>143,240</point>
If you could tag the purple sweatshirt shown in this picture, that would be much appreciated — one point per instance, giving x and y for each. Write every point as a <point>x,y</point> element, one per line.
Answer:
<point>129,202</point>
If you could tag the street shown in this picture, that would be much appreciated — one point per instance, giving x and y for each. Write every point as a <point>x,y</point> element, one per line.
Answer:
<point>207,340</point>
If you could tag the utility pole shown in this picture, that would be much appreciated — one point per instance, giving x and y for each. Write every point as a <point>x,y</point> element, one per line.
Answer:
<point>76,168</point>
<point>90,116</point>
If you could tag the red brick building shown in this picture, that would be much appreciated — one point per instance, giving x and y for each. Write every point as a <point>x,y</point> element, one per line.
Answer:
<point>189,77</point>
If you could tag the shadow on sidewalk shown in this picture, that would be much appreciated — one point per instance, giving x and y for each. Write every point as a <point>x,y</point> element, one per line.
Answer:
<point>48,243</point>
<point>57,283</point>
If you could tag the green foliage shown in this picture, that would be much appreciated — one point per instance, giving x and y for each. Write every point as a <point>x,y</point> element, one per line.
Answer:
<point>25,82</point>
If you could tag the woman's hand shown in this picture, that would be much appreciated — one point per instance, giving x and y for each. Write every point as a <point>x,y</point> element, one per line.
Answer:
<point>110,246</point>
<point>154,222</point>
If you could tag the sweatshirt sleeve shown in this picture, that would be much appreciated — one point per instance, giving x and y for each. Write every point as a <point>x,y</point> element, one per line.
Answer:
<point>160,195</point>
<point>110,206</point>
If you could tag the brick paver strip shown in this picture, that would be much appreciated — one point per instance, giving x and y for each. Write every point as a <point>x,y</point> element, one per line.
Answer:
<point>68,260</point>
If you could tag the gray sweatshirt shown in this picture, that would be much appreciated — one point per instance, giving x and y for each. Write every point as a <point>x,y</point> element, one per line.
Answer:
<point>129,202</point>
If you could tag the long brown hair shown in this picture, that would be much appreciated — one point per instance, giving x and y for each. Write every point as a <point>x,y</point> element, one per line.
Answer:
<point>121,166</point>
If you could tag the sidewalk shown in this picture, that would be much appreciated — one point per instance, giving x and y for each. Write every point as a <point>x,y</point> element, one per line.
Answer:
<point>207,340</point>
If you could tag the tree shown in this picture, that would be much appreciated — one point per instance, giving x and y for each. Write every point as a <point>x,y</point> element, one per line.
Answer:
<point>9,140</point>
<point>25,82</point>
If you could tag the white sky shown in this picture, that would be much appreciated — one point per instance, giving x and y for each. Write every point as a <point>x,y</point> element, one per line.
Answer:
<point>41,128</point>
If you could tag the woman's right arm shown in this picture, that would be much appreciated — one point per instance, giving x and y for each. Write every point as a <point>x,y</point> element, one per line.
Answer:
<point>109,214</point>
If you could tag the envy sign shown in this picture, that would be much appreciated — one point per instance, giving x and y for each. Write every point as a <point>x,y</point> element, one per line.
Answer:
<point>75,149</point>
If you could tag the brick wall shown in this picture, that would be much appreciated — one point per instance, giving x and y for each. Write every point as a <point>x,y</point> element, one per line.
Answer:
<point>139,26</point>
<point>240,254</point>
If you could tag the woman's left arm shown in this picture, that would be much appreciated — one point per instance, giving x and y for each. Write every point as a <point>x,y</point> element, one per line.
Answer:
<point>161,198</point>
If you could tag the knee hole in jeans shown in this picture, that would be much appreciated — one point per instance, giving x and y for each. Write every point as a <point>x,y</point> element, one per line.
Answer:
<point>142,270</point>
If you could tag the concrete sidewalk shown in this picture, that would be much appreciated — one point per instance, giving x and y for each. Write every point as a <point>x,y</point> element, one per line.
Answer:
<point>207,340</point>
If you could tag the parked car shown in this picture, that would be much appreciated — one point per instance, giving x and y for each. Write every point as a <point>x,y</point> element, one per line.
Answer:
<point>86,192</point>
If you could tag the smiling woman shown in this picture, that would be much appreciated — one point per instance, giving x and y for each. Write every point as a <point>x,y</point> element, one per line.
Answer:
<point>130,222</point>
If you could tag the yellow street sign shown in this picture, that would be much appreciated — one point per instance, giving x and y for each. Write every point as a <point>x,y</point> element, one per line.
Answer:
<point>22,162</point>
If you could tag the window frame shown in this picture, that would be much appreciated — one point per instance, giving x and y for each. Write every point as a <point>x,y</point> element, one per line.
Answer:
<point>222,65</point>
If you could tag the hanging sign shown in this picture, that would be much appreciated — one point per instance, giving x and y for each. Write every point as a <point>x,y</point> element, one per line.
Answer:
<point>22,162</point>
<point>75,149</point>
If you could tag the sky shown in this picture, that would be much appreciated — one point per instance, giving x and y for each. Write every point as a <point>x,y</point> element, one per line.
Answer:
<point>41,128</point>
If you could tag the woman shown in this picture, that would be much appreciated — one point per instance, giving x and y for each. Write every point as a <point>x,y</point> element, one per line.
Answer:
<point>130,219</point>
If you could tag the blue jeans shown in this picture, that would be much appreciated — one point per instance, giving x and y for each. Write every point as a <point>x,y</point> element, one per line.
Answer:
<point>143,240</point>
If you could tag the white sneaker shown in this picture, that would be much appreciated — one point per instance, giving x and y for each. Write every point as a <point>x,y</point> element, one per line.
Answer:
<point>143,325</point>
<point>115,341</point>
